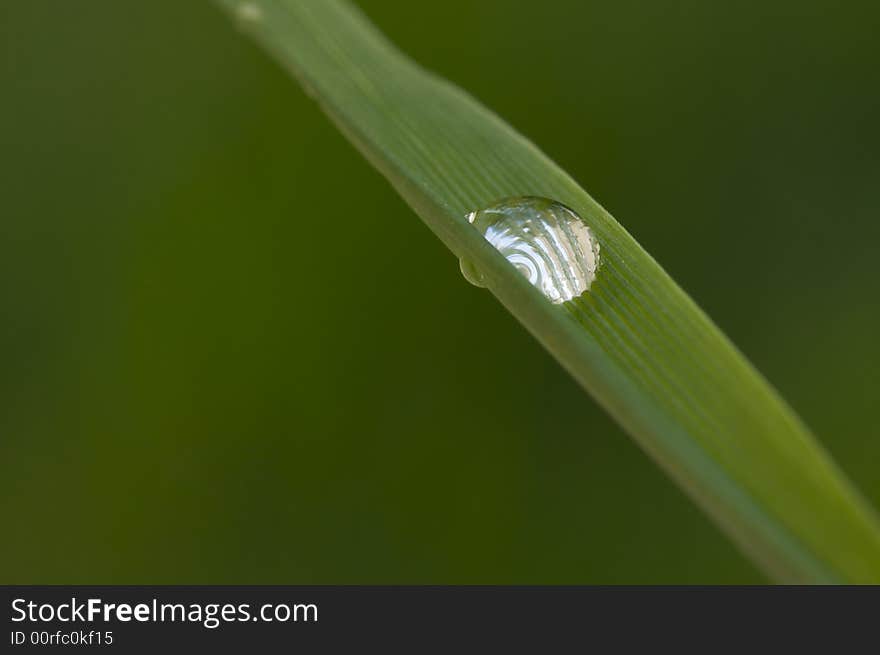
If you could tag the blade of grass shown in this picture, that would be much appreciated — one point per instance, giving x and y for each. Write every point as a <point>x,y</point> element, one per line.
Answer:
<point>635,341</point>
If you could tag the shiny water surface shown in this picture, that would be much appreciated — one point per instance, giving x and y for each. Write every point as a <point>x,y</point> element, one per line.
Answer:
<point>545,240</point>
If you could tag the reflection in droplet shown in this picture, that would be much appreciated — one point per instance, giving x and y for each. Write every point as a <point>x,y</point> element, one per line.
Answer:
<point>546,241</point>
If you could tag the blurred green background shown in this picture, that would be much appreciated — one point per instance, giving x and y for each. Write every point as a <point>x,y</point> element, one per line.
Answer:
<point>231,354</point>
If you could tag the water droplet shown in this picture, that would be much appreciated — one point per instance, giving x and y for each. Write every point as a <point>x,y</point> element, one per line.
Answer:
<point>471,273</point>
<point>249,12</point>
<point>545,240</point>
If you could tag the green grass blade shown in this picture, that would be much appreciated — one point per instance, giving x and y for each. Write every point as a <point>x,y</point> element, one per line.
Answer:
<point>635,341</point>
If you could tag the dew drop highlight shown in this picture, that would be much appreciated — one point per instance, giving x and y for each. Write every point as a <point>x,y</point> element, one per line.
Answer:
<point>545,240</point>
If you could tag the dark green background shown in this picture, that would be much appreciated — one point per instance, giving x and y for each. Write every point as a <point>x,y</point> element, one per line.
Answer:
<point>230,353</point>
